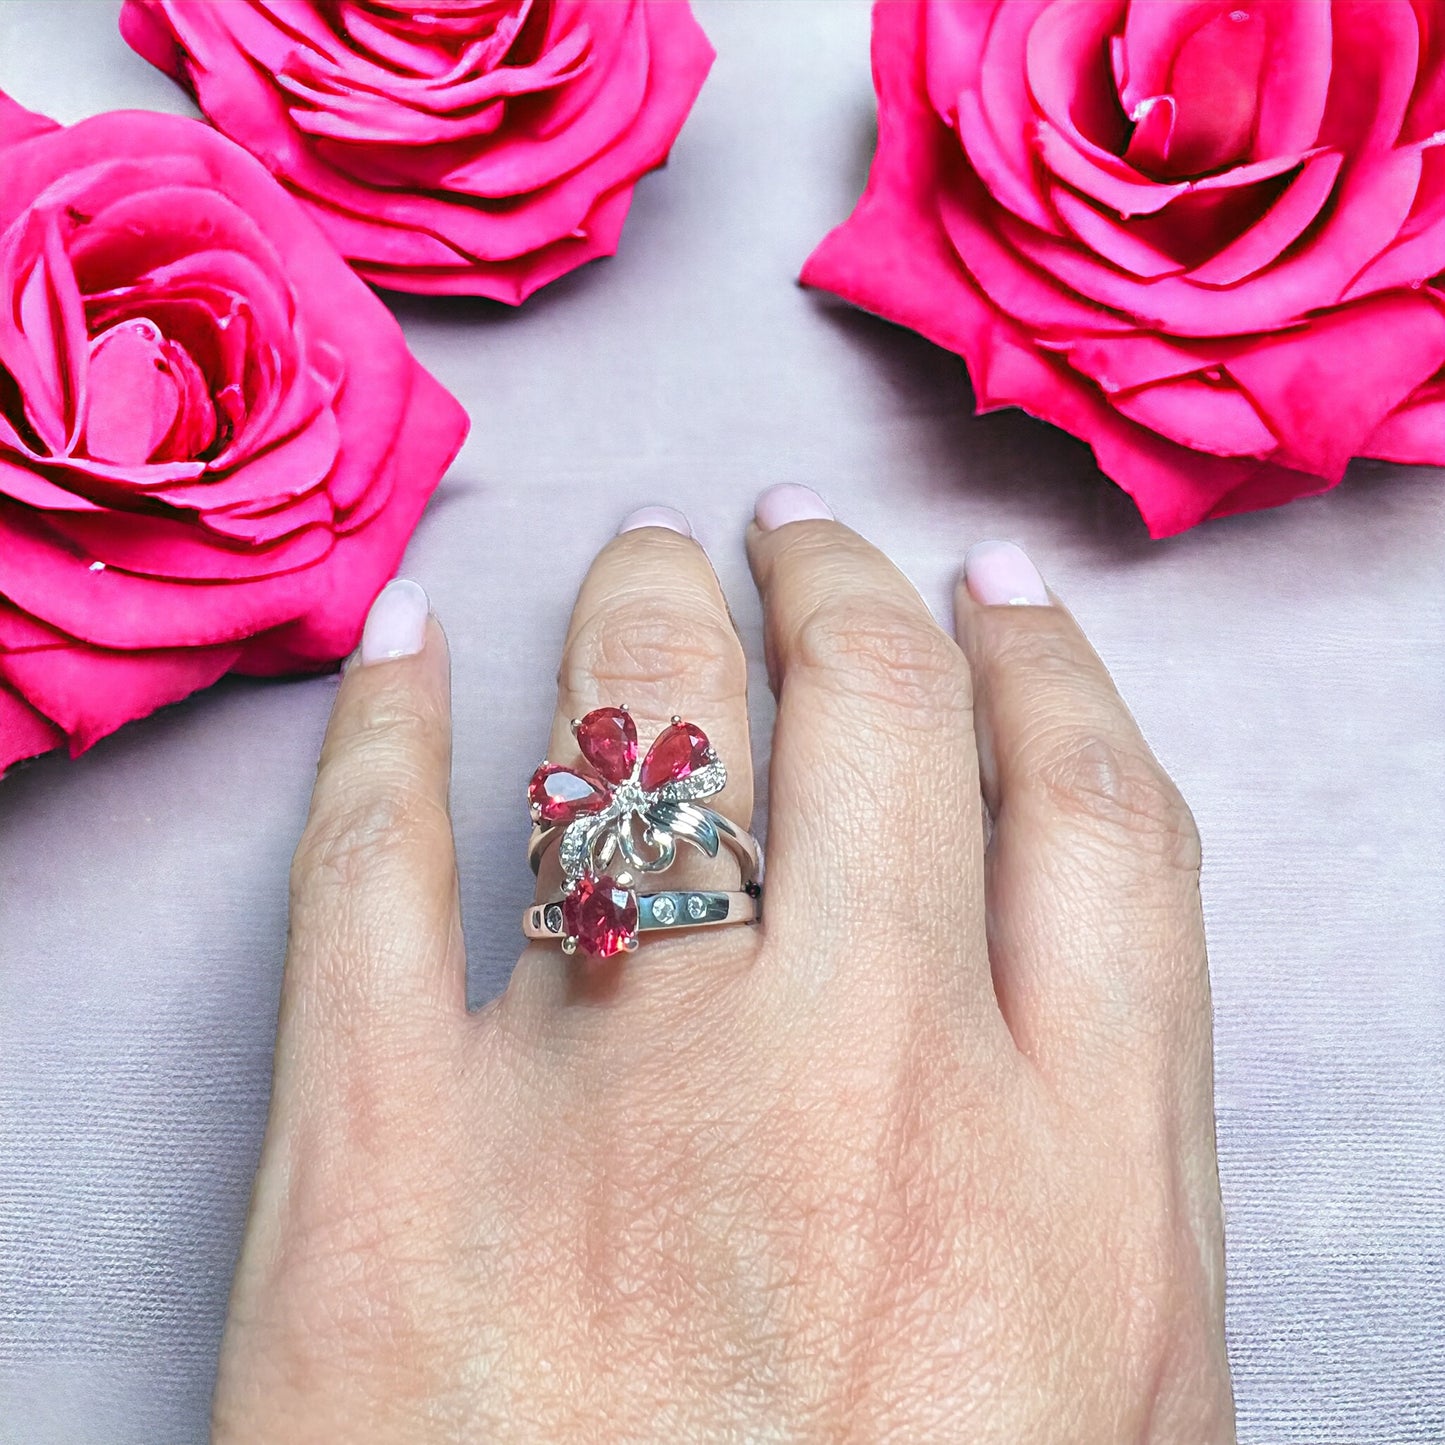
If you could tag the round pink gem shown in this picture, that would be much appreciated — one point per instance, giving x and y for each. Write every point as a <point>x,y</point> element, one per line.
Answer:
<point>600,915</point>
<point>608,739</point>
<point>561,795</point>
<point>679,751</point>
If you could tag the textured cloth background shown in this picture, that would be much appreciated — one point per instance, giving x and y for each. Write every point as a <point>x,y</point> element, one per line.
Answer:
<point>1289,667</point>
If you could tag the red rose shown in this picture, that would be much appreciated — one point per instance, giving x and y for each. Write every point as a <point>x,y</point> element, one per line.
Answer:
<point>478,147</point>
<point>214,442</point>
<point>1201,236</point>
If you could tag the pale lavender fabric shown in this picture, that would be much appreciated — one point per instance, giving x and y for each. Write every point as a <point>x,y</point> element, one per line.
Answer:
<point>1289,667</point>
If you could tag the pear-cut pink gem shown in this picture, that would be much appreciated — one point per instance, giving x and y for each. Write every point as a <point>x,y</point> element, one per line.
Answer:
<point>562,795</point>
<point>600,915</point>
<point>680,750</point>
<point>608,739</point>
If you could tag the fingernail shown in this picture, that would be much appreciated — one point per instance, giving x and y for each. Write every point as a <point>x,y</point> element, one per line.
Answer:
<point>396,625</point>
<point>789,502</point>
<point>668,517</point>
<point>1001,573</point>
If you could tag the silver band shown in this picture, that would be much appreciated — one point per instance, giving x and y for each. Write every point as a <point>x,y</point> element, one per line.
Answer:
<point>678,909</point>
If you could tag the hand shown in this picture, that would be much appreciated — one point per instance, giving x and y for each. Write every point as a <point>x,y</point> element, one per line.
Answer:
<point>927,1156</point>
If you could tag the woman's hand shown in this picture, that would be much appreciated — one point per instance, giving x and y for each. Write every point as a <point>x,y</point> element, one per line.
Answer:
<point>928,1156</point>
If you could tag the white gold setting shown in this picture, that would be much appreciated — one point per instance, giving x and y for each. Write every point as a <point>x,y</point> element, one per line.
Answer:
<point>617,819</point>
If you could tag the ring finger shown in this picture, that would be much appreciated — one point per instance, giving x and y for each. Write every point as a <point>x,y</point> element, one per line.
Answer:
<point>650,631</point>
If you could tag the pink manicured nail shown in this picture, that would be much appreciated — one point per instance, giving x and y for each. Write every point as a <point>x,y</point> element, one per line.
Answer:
<point>1000,572</point>
<point>668,517</point>
<point>396,625</point>
<point>789,502</point>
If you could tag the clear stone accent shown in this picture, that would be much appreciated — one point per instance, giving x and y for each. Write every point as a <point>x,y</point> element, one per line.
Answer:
<point>664,909</point>
<point>696,907</point>
<point>701,784</point>
<point>552,918</point>
<point>628,797</point>
<point>577,842</point>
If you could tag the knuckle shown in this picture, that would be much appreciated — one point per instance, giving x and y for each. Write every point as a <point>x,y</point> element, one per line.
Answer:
<point>1122,794</point>
<point>383,727</point>
<point>640,644</point>
<point>1031,642</point>
<point>885,653</point>
<point>358,834</point>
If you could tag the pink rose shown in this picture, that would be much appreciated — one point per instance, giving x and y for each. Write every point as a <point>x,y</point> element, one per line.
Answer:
<point>1201,236</point>
<point>477,147</point>
<point>214,442</point>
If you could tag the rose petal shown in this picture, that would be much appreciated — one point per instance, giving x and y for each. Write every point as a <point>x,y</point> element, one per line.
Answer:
<point>994,121</point>
<point>133,400</point>
<point>1174,487</point>
<point>453,108</point>
<point>178,550</point>
<point>90,693</point>
<point>1151,38</point>
<point>1415,434</point>
<point>114,609</point>
<point>1101,176</point>
<point>1268,486</point>
<point>1426,114</point>
<point>364,560</point>
<point>145,31</point>
<point>292,467</point>
<point>36,489</point>
<point>1216,80</point>
<point>1203,415</point>
<point>1279,227</point>
<point>1135,359</point>
<point>1378,51</point>
<point>1371,202</point>
<point>268,524</point>
<point>514,280</point>
<point>18,124</point>
<point>1418,251</point>
<point>42,332</point>
<point>1311,388</point>
<point>24,732</point>
<point>1297,71</point>
<point>1066,72</point>
<point>1111,238</point>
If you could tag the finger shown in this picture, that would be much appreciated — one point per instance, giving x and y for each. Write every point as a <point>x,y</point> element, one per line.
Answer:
<point>1094,912</point>
<point>874,784</point>
<point>650,631</point>
<point>375,924</point>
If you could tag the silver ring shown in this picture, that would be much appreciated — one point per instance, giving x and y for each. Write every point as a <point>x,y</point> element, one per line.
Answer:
<point>682,908</point>
<point>617,817</point>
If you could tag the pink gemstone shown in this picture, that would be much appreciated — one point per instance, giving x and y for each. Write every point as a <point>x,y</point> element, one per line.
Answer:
<point>679,751</point>
<point>561,795</point>
<point>608,739</point>
<point>600,915</point>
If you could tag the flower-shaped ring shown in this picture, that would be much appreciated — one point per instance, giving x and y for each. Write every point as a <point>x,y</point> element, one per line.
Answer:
<point>615,818</point>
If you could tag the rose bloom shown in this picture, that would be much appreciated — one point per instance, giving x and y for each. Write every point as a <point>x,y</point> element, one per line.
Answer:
<point>1201,236</point>
<point>478,147</point>
<point>214,442</point>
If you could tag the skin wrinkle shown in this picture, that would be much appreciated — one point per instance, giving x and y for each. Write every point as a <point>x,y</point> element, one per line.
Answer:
<point>787,1184</point>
